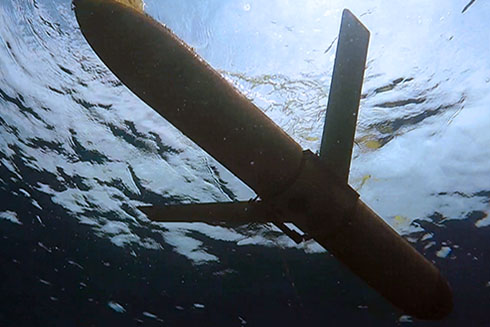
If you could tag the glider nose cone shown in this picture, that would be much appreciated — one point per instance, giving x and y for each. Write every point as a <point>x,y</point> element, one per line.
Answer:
<point>82,7</point>
<point>77,2</point>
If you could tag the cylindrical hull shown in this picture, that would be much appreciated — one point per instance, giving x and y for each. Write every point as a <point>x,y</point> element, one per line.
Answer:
<point>388,263</point>
<point>166,74</point>
<point>332,213</point>
<point>174,81</point>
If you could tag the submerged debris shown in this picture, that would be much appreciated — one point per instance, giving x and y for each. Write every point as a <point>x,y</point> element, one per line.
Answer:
<point>116,307</point>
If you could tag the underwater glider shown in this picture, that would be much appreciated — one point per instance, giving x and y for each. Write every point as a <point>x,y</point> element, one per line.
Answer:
<point>294,186</point>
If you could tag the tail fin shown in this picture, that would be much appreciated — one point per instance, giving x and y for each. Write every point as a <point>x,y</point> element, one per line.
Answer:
<point>345,94</point>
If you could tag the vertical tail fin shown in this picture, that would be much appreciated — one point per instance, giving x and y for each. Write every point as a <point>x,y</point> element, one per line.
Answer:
<point>345,94</point>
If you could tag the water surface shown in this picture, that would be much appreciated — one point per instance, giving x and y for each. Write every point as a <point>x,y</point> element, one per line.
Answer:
<point>79,152</point>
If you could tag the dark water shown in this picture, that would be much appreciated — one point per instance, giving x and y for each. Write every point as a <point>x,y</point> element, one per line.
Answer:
<point>78,153</point>
<point>58,273</point>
